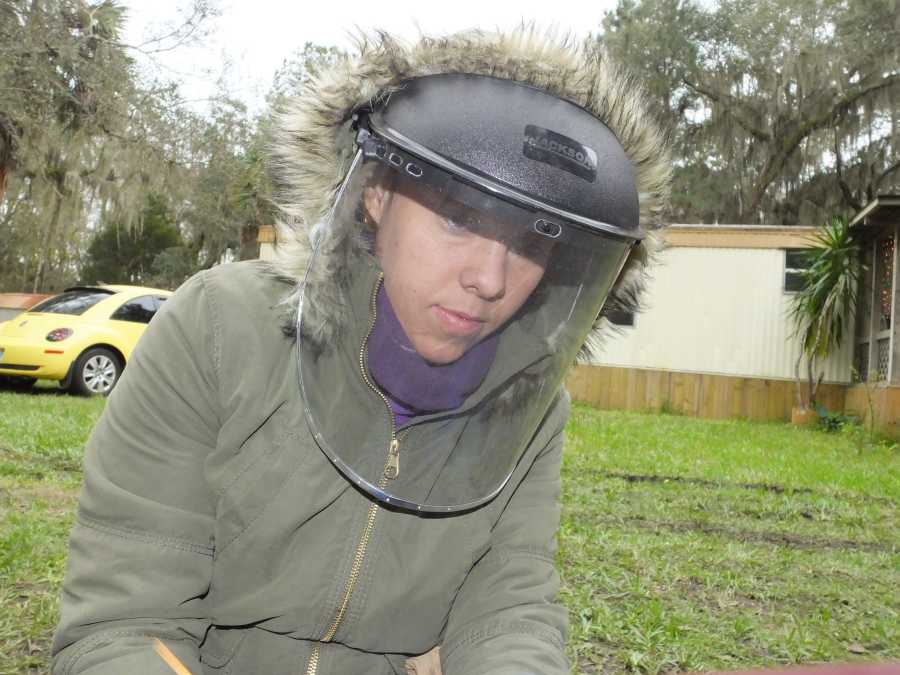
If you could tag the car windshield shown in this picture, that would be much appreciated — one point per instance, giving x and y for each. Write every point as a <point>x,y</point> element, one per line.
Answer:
<point>72,302</point>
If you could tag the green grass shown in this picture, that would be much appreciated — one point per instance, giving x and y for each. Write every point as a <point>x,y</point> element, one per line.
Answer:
<point>685,544</point>
<point>41,440</point>
<point>695,545</point>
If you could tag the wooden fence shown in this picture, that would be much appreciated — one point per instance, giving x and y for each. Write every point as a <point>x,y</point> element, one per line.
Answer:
<point>699,394</point>
<point>880,401</point>
<point>722,396</point>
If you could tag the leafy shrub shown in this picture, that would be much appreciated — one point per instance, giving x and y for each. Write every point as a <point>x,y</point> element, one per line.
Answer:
<point>834,421</point>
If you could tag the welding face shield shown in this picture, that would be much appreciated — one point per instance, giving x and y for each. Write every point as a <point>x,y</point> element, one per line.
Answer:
<point>493,286</point>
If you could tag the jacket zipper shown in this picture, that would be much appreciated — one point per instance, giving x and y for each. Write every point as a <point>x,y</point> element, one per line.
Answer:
<point>390,472</point>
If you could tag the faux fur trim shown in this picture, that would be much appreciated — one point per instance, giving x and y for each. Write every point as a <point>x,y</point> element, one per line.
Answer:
<point>314,147</point>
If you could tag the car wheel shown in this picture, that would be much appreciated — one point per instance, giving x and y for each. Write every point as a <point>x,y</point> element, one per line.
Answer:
<point>96,372</point>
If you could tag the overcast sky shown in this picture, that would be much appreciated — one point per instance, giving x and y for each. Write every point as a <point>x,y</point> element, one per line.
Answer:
<point>251,38</point>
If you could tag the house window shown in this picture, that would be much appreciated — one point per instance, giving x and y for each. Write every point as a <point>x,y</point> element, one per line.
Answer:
<point>796,262</point>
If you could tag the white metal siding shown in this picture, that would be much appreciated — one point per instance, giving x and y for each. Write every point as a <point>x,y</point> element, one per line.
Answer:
<point>717,310</point>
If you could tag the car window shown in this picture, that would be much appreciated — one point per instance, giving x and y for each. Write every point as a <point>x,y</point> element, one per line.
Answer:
<point>72,302</point>
<point>139,310</point>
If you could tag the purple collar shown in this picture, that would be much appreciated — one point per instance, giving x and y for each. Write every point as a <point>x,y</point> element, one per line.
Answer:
<point>416,386</point>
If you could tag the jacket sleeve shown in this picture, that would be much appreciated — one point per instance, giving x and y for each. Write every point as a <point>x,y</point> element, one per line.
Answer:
<point>140,553</point>
<point>505,620</point>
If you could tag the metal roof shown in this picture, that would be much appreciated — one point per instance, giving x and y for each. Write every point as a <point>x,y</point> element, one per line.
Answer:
<point>883,210</point>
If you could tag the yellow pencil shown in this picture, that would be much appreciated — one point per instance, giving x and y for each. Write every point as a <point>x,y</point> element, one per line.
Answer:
<point>171,660</point>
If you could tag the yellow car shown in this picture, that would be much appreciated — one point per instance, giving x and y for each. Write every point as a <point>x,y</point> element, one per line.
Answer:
<point>82,337</point>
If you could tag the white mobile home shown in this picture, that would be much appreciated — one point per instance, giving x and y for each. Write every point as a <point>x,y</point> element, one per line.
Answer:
<point>719,303</point>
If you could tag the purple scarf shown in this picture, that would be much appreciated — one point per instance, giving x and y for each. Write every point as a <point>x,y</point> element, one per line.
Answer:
<point>412,385</point>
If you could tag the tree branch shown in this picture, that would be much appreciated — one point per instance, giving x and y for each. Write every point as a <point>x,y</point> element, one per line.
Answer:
<point>789,142</point>
<point>839,166</point>
<point>887,172</point>
<point>181,35</point>
<point>732,105</point>
<point>861,90</point>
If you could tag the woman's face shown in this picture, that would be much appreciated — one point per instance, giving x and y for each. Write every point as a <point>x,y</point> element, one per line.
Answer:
<point>450,285</point>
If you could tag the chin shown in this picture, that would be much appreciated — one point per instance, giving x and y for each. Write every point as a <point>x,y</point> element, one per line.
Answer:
<point>441,355</point>
<point>442,359</point>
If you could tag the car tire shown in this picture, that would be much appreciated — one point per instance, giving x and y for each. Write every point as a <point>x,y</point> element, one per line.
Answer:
<point>96,372</point>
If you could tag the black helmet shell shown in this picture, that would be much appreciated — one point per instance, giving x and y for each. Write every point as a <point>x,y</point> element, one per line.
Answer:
<point>516,140</point>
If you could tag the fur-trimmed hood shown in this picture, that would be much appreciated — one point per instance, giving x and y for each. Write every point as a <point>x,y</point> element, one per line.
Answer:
<point>315,146</point>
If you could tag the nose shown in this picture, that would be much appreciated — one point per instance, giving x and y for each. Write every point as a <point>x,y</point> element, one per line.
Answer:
<point>485,271</point>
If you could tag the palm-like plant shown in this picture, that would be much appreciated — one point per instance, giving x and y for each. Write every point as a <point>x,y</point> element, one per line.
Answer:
<point>822,311</point>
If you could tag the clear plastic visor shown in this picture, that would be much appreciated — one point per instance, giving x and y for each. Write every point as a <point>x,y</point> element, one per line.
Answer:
<point>463,312</point>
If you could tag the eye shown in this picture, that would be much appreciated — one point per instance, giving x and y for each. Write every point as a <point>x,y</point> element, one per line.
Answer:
<point>452,226</point>
<point>458,225</point>
<point>533,248</point>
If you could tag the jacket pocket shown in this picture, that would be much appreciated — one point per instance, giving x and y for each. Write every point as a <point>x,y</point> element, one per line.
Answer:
<point>252,651</point>
<point>270,559</point>
<point>273,455</point>
<point>417,567</point>
<point>219,647</point>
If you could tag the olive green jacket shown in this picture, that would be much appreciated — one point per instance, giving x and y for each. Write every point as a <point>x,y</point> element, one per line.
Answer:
<point>210,518</point>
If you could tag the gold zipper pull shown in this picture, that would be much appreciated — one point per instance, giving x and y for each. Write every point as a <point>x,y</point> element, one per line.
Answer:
<point>392,469</point>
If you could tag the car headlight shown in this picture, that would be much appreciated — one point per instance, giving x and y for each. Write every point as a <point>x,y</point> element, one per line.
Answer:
<point>58,335</point>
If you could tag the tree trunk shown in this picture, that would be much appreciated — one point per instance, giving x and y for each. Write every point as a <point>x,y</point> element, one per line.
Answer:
<point>8,147</point>
<point>44,260</point>
<point>811,383</point>
<point>797,381</point>
<point>811,372</point>
<point>24,283</point>
<point>64,248</point>
<point>249,244</point>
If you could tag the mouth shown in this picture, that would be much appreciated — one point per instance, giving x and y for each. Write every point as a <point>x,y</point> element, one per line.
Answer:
<point>458,323</point>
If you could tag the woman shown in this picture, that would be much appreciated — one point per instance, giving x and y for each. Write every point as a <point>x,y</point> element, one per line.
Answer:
<point>348,459</point>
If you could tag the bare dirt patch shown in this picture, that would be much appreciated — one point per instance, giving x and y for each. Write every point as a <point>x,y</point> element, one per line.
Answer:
<point>767,487</point>
<point>60,500</point>
<point>50,492</point>
<point>777,538</point>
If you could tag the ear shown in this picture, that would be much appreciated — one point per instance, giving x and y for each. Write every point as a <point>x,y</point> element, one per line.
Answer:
<point>375,200</point>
